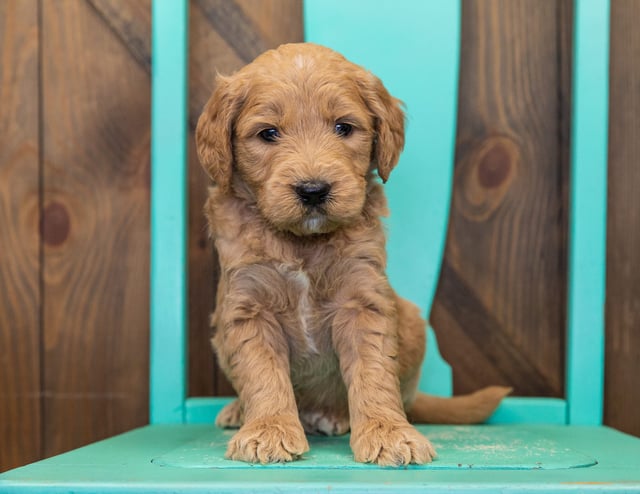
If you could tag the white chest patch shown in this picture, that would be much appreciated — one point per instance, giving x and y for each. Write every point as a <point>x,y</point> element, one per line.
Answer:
<point>304,306</point>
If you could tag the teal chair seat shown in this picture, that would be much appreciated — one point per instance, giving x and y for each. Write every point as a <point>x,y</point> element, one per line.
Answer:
<point>530,444</point>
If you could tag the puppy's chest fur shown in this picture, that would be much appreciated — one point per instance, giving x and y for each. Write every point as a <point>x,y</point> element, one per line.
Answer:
<point>306,320</point>
<point>296,279</point>
<point>305,308</point>
<point>306,281</point>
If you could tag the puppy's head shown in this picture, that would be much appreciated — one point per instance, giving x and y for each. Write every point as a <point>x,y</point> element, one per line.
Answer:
<point>299,131</point>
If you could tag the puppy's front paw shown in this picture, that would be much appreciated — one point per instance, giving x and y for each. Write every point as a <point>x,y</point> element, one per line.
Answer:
<point>390,444</point>
<point>269,440</point>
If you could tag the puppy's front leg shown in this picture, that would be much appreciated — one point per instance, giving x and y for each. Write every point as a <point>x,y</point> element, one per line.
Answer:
<point>365,339</point>
<point>253,352</point>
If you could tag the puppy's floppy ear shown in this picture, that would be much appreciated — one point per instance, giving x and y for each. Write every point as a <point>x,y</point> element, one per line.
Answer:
<point>214,132</point>
<point>389,125</point>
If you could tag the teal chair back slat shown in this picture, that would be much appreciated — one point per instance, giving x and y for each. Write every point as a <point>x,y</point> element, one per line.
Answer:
<point>168,294</point>
<point>414,47</point>
<point>588,213</point>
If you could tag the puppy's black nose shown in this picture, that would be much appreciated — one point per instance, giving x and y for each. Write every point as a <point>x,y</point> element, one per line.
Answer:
<point>313,193</point>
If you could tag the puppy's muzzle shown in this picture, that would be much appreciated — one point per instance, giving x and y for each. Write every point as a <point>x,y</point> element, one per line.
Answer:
<point>313,192</point>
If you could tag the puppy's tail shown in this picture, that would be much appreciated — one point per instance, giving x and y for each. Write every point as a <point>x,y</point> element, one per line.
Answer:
<point>473,408</point>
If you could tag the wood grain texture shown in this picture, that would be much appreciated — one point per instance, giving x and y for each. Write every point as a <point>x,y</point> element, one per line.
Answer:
<point>20,418</point>
<point>225,35</point>
<point>622,391</point>
<point>130,22</point>
<point>499,309</point>
<point>209,53</point>
<point>96,178</point>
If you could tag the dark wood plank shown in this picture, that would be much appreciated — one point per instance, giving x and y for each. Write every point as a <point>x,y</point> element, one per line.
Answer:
<point>466,312</point>
<point>130,21</point>
<point>506,240</point>
<point>203,276</point>
<point>209,53</point>
<point>20,418</point>
<point>622,392</point>
<point>224,36</point>
<point>277,21</point>
<point>234,26</point>
<point>96,196</point>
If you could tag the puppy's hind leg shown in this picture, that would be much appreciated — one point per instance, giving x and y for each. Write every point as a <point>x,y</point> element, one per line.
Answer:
<point>231,416</point>
<point>425,409</point>
<point>324,423</point>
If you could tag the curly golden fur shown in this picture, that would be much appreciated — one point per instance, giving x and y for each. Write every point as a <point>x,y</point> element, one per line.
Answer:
<point>307,327</point>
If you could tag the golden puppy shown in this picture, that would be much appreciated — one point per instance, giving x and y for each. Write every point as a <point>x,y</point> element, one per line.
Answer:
<point>307,327</point>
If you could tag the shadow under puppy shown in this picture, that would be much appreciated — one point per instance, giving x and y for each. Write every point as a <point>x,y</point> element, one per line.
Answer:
<point>307,328</point>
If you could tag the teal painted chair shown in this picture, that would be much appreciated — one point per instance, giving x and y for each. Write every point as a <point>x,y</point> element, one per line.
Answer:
<point>531,444</point>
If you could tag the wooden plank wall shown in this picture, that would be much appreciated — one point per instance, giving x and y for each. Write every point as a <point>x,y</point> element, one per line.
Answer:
<point>20,254</point>
<point>622,391</point>
<point>74,192</point>
<point>95,177</point>
<point>499,309</point>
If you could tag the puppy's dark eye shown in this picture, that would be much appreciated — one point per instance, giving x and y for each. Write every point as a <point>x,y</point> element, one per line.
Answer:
<point>269,135</point>
<point>343,129</point>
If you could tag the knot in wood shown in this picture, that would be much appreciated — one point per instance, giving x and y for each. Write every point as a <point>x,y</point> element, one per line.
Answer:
<point>494,166</point>
<point>485,175</point>
<point>55,225</point>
